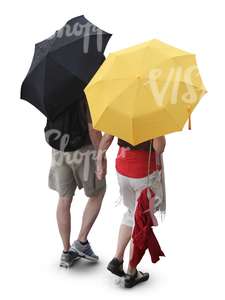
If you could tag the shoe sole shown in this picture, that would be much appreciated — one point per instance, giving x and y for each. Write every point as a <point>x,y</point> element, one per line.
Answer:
<point>68,265</point>
<point>83,255</point>
<point>140,280</point>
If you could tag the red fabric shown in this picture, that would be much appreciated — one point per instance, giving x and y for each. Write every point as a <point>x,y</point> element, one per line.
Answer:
<point>143,235</point>
<point>134,163</point>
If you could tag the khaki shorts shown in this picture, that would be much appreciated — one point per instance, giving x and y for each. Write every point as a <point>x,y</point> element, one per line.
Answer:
<point>70,170</point>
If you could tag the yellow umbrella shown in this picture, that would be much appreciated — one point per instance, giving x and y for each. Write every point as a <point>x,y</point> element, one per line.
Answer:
<point>145,91</point>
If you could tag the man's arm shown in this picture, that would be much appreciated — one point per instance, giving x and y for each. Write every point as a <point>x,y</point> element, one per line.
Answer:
<point>104,145</point>
<point>95,136</point>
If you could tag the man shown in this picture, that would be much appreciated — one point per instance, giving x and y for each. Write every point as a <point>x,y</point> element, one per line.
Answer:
<point>74,143</point>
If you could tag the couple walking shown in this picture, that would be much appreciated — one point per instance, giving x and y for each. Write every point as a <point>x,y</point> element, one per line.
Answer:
<point>79,161</point>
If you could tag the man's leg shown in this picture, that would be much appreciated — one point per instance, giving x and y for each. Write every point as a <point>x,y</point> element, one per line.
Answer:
<point>81,245</point>
<point>68,257</point>
<point>90,214</point>
<point>86,175</point>
<point>64,220</point>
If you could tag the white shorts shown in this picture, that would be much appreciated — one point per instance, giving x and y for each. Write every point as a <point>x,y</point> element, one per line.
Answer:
<point>130,190</point>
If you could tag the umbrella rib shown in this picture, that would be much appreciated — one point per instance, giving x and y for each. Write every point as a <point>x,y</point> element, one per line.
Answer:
<point>66,44</point>
<point>172,118</point>
<point>168,58</point>
<point>137,97</point>
<point>105,80</point>
<point>107,107</point>
<point>44,83</point>
<point>51,58</point>
<point>43,58</point>
<point>30,72</point>
<point>61,65</point>
<point>123,91</point>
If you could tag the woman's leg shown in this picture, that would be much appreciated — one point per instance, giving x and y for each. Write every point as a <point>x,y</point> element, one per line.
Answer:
<point>123,239</point>
<point>128,195</point>
<point>138,185</point>
<point>131,270</point>
<point>116,264</point>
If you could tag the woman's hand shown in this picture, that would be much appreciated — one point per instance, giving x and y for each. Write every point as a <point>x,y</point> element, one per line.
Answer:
<point>159,144</point>
<point>101,168</point>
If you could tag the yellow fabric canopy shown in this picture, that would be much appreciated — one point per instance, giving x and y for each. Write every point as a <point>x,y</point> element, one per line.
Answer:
<point>145,91</point>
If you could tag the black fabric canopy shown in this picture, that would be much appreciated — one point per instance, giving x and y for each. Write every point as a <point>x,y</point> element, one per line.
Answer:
<point>63,65</point>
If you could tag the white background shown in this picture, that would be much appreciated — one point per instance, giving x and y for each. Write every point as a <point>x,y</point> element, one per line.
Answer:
<point>192,235</point>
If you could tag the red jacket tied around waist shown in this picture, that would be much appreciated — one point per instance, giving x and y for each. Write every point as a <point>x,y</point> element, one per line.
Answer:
<point>143,235</point>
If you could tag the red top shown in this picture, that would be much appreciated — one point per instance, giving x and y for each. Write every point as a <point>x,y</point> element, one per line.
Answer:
<point>134,163</point>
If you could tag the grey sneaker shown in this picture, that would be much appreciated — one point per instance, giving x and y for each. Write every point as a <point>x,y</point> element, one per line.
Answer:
<point>68,258</point>
<point>84,251</point>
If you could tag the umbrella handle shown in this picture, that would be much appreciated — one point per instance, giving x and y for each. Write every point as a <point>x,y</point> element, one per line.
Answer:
<point>189,117</point>
<point>149,161</point>
<point>149,194</point>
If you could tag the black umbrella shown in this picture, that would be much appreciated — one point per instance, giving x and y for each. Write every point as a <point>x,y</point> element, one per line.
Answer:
<point>63,65</point>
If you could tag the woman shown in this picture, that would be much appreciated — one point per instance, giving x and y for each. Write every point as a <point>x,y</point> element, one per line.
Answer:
<point>133,167</point>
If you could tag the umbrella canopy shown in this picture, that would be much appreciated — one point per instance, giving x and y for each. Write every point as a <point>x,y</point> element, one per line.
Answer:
<point>144,91</point>
<point>63,65</point>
